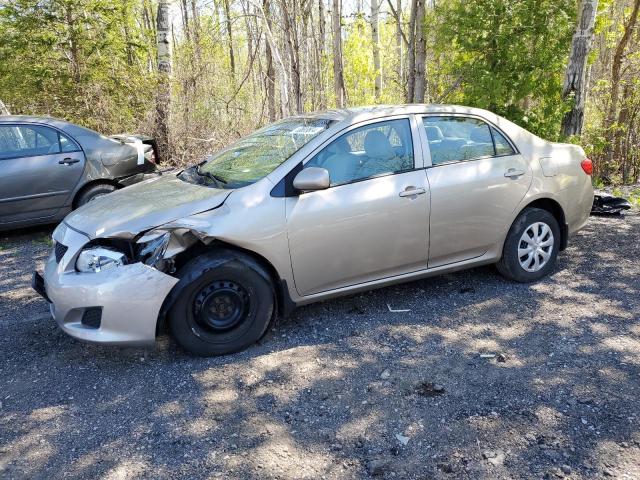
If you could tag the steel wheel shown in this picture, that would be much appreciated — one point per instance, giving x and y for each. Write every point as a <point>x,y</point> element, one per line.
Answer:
<point>221,306</point>
<point>535,247</point>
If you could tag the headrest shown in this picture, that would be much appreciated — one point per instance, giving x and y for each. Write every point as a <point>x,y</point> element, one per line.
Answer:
<point>433,133</point>
<point>376,145</point>
<point>341,145</point>
<point>480,135</point>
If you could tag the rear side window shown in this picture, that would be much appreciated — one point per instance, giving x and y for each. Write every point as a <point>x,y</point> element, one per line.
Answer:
<point>32,140</point>
<point>503,147</point>
<point>457,139</point>
<point>66,144</point>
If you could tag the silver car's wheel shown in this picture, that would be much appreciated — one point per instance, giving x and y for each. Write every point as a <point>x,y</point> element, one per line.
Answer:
<point>536,246</point>
<point>531,246</point>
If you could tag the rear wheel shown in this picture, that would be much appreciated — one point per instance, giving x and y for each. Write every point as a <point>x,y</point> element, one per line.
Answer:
<point>531,247</point>
<point>93,192</point>
<point>226,303</point>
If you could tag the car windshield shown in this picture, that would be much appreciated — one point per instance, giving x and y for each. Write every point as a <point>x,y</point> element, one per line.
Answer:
<point>253,157</point>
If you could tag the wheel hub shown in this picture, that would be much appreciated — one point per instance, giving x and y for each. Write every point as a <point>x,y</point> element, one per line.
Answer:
<point>535,246</point>
<point>221,305</point>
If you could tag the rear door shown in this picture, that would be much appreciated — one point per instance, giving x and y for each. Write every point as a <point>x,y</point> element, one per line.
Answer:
<point>477,179</point>
<point>39,168</point>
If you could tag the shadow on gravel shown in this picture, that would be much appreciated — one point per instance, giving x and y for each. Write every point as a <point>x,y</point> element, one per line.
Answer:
<point>480,379</point>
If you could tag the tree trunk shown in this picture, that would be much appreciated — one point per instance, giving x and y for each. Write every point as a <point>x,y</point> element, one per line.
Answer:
<point>620,148</point>
<point>338,75</point>
<point>375,40</point>
<point>399,41</point>
<point>185,20</point>
<point>163,94</point>
<point>293,47</point>
<point>421,54</point>
<point>270,80</point>
<point>232,59</point>
<point>280,69</point>
<point>74,50</point>
<point>575,79</point>
<point>411,67</point>
<point>321,48</point>
<point>196,30</point>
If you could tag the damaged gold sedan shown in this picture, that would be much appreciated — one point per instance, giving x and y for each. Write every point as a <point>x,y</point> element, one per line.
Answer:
<point>310,208</point>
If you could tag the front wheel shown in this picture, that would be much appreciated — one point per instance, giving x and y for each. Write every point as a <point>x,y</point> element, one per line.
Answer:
<point>226,304</point>
<point>531,247</point>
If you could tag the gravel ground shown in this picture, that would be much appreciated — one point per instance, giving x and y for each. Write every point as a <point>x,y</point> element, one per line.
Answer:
<point>346,388</point>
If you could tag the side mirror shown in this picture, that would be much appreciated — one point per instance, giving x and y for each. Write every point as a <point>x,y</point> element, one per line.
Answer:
<point>312,178</point>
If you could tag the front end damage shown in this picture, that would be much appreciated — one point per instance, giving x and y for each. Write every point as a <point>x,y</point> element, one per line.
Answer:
<point>113,290</point>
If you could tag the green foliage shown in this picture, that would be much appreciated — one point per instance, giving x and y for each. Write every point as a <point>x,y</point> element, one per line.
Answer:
<point>510,56</point>
<point>77,59</point>
<point>93,62</point>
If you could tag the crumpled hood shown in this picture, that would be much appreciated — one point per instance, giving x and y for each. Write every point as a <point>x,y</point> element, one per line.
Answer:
<point>142,206</point>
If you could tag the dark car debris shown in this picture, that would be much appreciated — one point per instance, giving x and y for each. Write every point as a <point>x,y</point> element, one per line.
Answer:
<point>608,205</point>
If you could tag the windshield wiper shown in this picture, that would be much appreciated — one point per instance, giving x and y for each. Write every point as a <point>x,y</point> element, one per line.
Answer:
<point>210,175</point>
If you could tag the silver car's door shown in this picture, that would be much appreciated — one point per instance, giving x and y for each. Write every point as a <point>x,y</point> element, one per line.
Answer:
<point>477,179</point>
<point>372,222</point>
<point>39,167</point>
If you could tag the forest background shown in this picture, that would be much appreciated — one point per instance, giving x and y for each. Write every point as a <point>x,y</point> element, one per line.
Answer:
<point>199,74</point>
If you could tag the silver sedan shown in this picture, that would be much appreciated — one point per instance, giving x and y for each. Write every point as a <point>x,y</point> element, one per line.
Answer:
<point>309,208</point>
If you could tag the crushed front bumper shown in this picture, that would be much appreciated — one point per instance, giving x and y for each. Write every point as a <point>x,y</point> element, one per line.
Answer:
<point>118,306</point>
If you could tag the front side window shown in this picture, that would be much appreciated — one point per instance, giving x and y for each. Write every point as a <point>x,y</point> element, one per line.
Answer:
<point>377,149</point>
<point>456,139</point>
<point>256,156</point>
<point>27,141</point>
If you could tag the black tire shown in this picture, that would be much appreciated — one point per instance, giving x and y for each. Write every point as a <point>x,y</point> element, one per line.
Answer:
<point>509,265</point>
<point>226,303</point>
<point>93,192</point>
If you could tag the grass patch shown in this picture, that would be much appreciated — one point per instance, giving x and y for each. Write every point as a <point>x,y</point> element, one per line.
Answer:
<point>634,197</point>
<point>44,240</point>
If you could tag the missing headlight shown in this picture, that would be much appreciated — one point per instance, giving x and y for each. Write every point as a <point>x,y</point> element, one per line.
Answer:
<point>152,246</point>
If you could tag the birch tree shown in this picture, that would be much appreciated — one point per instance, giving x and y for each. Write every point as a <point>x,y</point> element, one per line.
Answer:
<point>375,44</point>
<point>163,93</point>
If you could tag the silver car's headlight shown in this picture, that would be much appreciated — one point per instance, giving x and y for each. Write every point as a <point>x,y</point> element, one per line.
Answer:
<point>98,259</point>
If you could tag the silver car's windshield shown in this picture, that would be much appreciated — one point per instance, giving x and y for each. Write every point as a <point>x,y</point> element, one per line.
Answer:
<point>253,157</point>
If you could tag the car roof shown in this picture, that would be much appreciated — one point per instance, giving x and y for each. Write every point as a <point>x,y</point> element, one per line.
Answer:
<point>33,119</point>
<point>354,114</point>
<point>68,127</point>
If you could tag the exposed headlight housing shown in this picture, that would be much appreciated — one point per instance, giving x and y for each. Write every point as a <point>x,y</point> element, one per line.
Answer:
<point>98,259</point>
<point>152,247</point>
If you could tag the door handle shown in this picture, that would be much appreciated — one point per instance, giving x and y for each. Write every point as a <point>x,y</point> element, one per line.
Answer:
<point>68,161</point>
<point>514,173</point>
<point>412,192</point>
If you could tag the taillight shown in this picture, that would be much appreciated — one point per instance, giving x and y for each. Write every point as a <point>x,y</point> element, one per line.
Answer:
<point>587,166</point>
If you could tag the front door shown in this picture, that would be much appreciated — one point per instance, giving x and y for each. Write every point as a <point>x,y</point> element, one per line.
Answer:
<point>372,222</point>
<point>39,167</point>
<point>477,180</point>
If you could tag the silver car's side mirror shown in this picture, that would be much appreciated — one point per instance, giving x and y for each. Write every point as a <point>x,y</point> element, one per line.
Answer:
<point>312,178</point>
